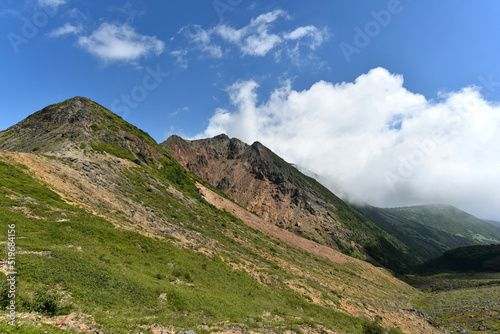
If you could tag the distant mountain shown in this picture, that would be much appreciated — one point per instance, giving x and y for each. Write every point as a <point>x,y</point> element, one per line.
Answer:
<point>431,230</point>
<point>263,183</point>
<point>466,259</point>
<point>113,235</point>
<point>493,222</point>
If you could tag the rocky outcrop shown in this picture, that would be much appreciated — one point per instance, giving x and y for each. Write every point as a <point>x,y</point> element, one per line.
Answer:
<point>79,123</point>
<point>265,184</point>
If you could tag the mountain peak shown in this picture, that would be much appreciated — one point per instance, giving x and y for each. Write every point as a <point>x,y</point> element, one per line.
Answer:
<point>74,124</point>
<point>78,99</point>
<point>262,182</point>
<point>75,110</point>
<point>54,123</point>
<point>221,137</point>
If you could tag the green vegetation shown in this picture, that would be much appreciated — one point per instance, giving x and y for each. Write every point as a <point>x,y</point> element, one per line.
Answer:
<point>380,245</point>
<point>178,176</point>
<point>117,151</point>
<point>15,181</point>
<point>466,259</point>
<point>431,230</point>
<point>175,260</point>
<point>373,328</point>
<point>121,284</point>
<point>21,328</point>
<point>4,292</point>
<point>461,301</point>
<point>45,301</point>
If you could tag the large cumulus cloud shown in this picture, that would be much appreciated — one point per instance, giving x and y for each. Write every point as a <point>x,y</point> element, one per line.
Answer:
<point>376,142</point>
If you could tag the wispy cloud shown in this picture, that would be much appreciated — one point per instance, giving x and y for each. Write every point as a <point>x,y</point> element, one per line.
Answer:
<point>66,29</point>
<point>258,38</point>
<point>9,12</point>
<point>315,35</point>
<point>180,58</point>
<point>255,39</point>
<point>128,10</point>
<point>180,110</point>
<point>202,40</point>
<point>52,3</point>
<point>378,142</point>
<point>112,43</point>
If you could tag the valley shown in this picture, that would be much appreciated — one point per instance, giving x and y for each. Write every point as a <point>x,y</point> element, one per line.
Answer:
<point>116,233</point>
<point>463,302</point>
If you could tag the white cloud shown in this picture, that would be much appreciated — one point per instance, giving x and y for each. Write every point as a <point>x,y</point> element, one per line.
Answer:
<point>65,30</point>
<point>180,58</point>
<point>180,110</point>
<point>300,32</point>
<point>316,36</point>
<point>260,45</point>
<point>112,42</point>
<point>257,38</point>
<point>51,3</point>
<point>127,9</point>
<point>378,142</point>
<point>202,39</point>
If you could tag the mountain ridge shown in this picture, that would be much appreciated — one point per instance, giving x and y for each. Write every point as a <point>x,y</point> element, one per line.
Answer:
<point>431,230</point>
<point>262,182</point>
<point>131,242</point>
<point>428,230</point>
<point>476,258</point>
<point>492,222</point>
<point>57,128</point>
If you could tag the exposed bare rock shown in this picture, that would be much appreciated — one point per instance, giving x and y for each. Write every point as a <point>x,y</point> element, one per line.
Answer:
<point>263,183</point>
<point>78,123</point>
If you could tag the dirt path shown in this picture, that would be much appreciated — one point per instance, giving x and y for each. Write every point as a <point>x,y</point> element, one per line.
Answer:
<point>271,230</point>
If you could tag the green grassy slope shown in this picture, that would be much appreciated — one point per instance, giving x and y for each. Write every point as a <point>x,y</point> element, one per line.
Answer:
<point>462,302</point>
<point>136,245</point>
<point>356,234</point>
<point>109,276</point>
<point>431,230</point>
<point>493,222</point>
<point>466,259</point>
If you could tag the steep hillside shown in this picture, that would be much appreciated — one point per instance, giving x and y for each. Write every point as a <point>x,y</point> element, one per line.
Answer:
<point>431,230</point>
<point>107,241</point>
<point>78,123</point>
<point>265,184</point>
<point>493,222</point>
<point>466,259</point>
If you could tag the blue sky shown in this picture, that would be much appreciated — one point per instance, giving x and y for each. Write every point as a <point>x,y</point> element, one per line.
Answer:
<point>267,71</point>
